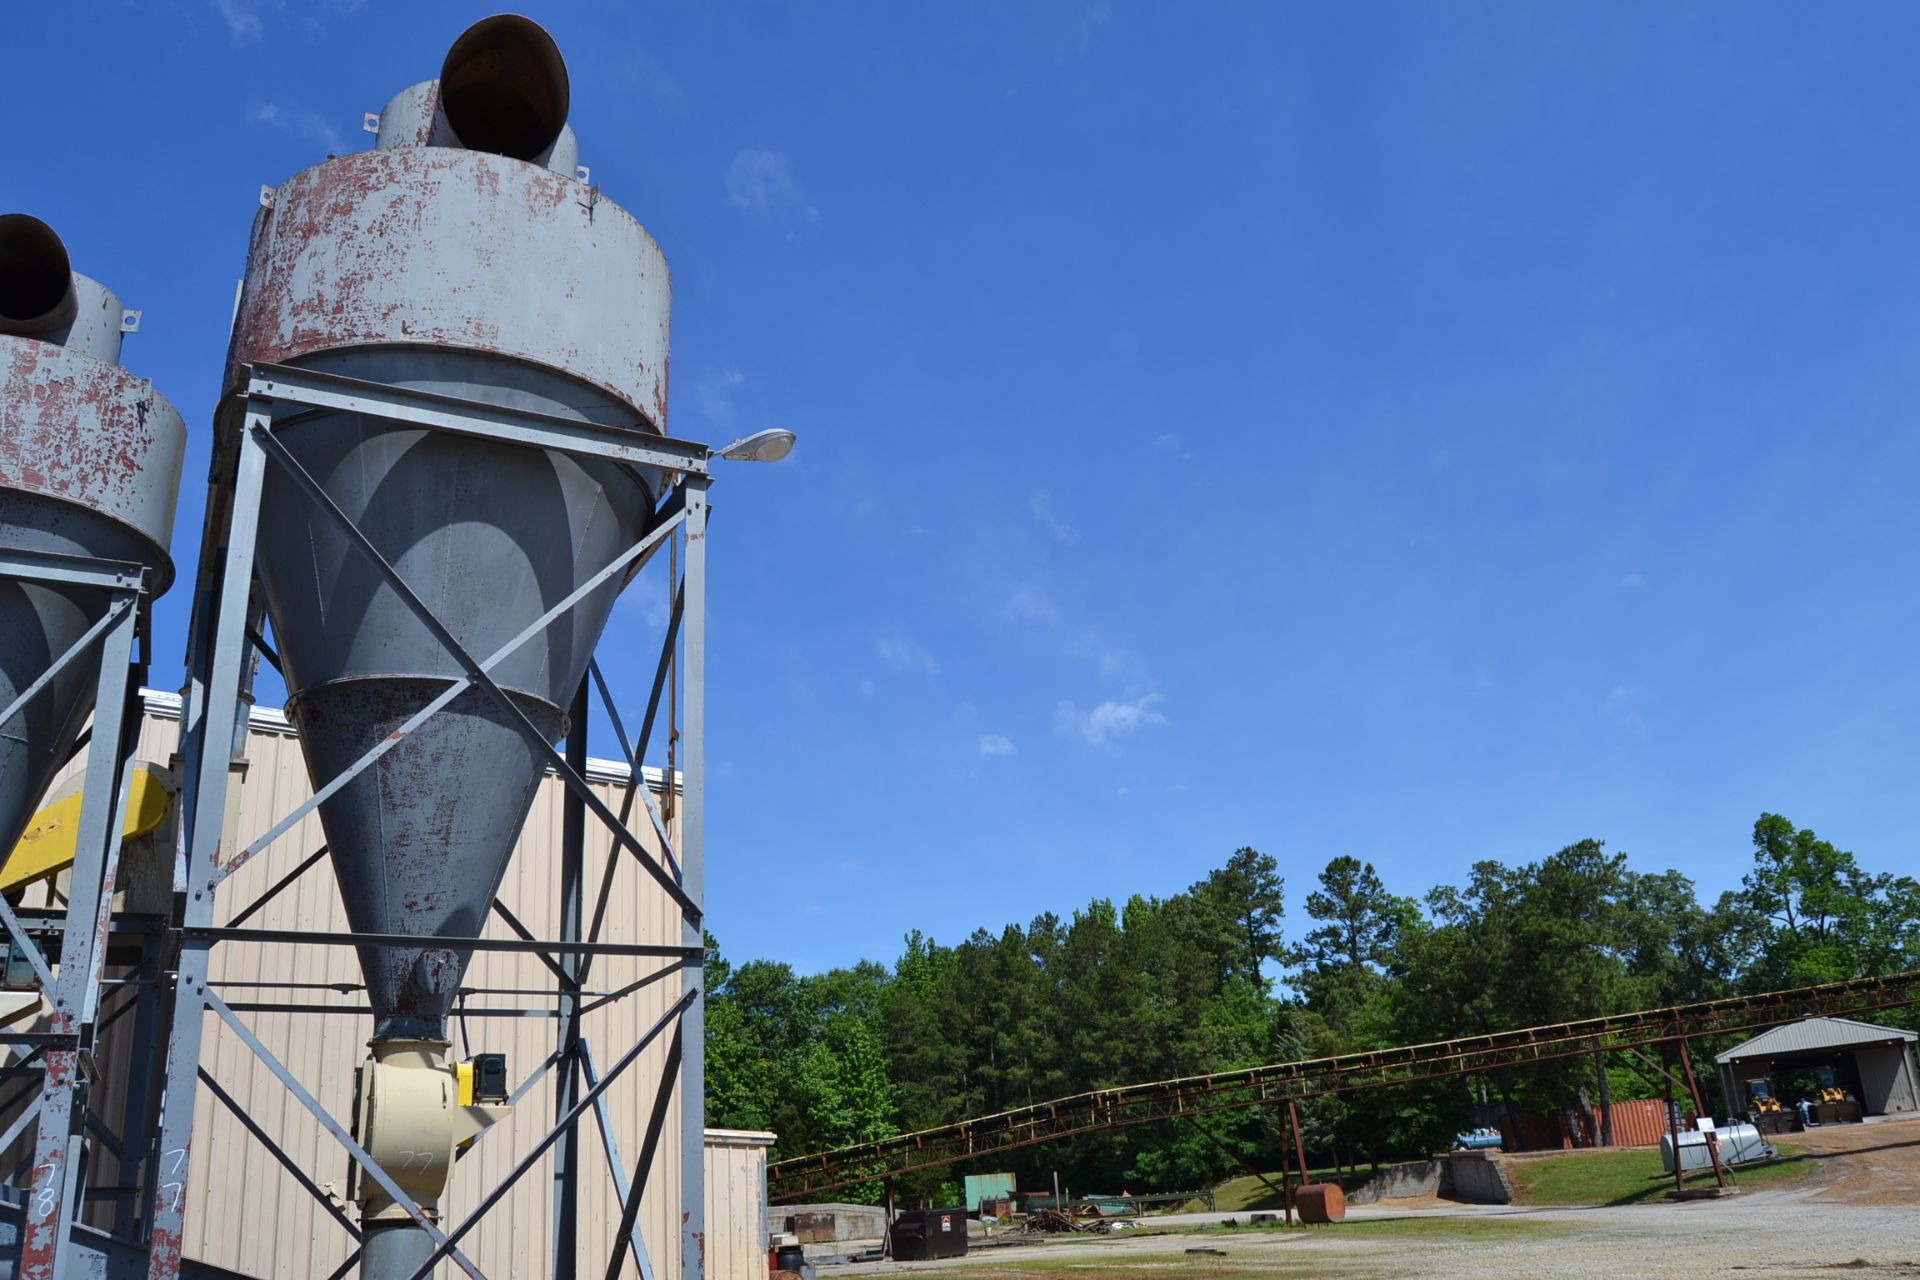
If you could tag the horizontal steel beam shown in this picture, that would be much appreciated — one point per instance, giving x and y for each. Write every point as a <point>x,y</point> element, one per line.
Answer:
<point>635,445</point>
<point>72,571</point>
<point>314,938</point>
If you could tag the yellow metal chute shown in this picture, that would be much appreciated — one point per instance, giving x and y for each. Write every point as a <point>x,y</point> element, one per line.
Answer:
<point>48,846</point>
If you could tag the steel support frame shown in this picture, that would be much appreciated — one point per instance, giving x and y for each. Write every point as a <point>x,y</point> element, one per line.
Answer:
<point>218,647</point>
<point>62,1114</point>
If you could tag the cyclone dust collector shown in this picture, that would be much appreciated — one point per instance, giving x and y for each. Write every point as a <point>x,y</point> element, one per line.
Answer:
<point>446,392</point>
<point>89,467</point>
<point>89,470</point>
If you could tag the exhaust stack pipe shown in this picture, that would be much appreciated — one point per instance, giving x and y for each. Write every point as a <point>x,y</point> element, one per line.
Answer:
<point>504,88</point>
<point>36,279</point>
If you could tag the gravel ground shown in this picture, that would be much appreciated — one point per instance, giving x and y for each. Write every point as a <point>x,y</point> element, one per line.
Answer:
<point>1775,1236</point>
<point>1857,1214</point>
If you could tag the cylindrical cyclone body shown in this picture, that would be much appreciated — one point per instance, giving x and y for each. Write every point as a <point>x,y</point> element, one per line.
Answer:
<point>437,249</point>
<point>490,279</point>
<point>90,461</point>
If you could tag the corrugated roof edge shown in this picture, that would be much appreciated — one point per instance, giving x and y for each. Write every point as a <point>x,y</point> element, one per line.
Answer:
<point>1809,1034</point>
<point>741,1138</point>
<point>167,706</point>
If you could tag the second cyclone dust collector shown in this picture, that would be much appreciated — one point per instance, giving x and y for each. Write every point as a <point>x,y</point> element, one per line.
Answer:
<point>440,456</point>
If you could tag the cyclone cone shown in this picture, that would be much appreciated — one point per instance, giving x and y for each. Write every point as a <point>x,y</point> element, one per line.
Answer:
<point>490,537</point>
<point>38,623</point>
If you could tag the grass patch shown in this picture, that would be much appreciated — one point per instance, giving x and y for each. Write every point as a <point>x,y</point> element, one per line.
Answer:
<point>1585,1178</point>
<point>1241,1195</point>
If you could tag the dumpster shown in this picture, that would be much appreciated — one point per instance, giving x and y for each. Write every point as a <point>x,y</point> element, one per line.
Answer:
<point>919,1234</point>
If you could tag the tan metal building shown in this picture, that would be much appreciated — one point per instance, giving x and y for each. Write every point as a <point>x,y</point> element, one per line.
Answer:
<point>246,1211</point>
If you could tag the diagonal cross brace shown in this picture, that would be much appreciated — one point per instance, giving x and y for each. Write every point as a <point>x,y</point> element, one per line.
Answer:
<point>615,1164</point>
<point>28,948</point>
<point>669,518</point>
<point>643,1166</point>
<point>591,1098</point>
<point>72,655</point>
<point>345,1139</point>
<point>493,1197</point>
<point>476,671</point>
<point>274,1149</point>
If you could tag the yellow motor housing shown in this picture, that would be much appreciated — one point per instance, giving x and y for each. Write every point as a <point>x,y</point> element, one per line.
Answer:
<point>48,845</point>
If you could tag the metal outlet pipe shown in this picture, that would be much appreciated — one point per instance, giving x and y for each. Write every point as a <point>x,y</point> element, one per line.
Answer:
<point>36,278</point>
<point>504,87</point>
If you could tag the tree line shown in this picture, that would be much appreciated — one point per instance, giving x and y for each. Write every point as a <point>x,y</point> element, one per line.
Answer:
<point>1206,980</point>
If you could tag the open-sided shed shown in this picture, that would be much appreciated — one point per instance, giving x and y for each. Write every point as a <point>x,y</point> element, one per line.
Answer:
<point>1874,1062</point>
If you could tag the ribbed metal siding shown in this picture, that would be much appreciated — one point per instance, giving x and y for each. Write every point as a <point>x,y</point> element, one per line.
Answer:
<point>246,1213</point>
<point>1641,1123</point>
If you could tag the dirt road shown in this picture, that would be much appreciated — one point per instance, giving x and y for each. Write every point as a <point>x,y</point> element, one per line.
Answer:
<point>1864,1163</point>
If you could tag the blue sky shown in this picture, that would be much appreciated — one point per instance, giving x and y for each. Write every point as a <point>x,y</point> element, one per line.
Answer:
<point>1418,432</point>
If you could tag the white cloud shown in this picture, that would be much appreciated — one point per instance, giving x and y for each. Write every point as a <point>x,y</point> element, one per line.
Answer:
<point>657,83</point>
<point>904,654</point>
<point>714,394</point>
<point>997,744</point>
<point>1115,662</point>
<point>1168,442</point>
<point>241,19</point>
<point>1634,582</point>
<point>1112,661</point>
<point>763,181</point>
<point>1086,25</point>
<point>1109,720</point>
<point>311,125</point>
<point>647,601</point>
<point>1041,504</point>
<point>1032,603</point>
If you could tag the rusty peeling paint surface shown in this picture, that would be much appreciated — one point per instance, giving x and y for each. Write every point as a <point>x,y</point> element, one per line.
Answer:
<point>90,433</point>
<point>432,246</point>
<point>44,1219</point>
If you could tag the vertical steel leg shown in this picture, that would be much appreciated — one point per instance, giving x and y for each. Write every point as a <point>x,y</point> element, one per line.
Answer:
<point>566,1093</point>
<point>57,1175</point>
<point>693,1028</point>
<point>1700,1111</point>
<point>138,1108</point>
<point>1299,1146</point>
<point>217,652</point>
<point>1673,1126</point>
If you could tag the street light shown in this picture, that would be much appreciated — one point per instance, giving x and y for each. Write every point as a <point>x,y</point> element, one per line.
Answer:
<point>770,445</point>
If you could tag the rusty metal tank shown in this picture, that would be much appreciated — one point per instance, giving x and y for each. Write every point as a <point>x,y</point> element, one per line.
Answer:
<point>463,256</point>
<point>89,466</point>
